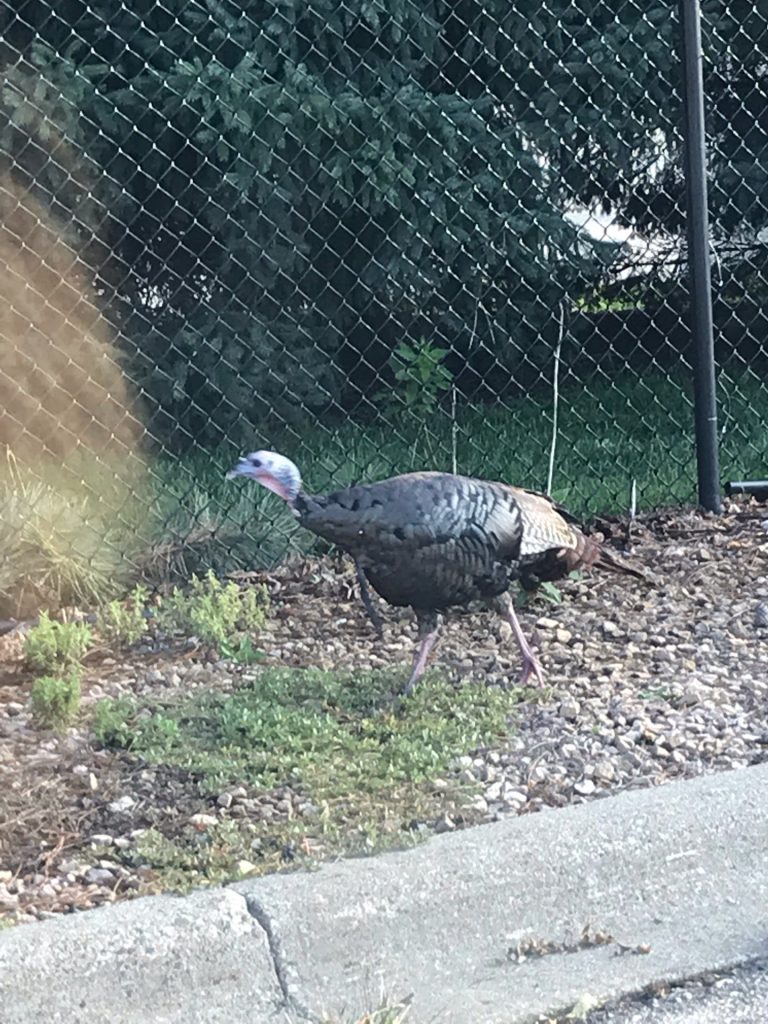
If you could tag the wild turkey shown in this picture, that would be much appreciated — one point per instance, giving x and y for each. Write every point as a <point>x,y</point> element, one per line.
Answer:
<point>433,541</point>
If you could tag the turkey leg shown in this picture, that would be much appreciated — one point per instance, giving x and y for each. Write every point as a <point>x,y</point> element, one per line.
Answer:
<point>365,596</point>
<point>506,608</point>
<point>429,629</point>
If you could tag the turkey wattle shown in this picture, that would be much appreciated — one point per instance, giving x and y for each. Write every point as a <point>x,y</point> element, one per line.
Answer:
<point>433,541</point>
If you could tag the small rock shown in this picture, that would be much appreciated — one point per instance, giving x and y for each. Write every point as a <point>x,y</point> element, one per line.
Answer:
<point>478,804</point>
<point>8,900</point>
<point>245,867</point>
<point>445,824</point>
<point>439,784</point>
<point>761,615</point>
<point>545,623</point>
<point>203,821</point>
<point>585,788</point>
<point>225,800</point>
<point>99,876</point>
<point>504,632</point>
<point>691,695</point>
<point>605,772</point>
<point>463,762</point>
<point>610,628</point>
<point>467,776</point>
<point>493,792</point>
<point>570,709</point>
<point>154,676</point>
<point>13,708</point>
<point>101,839</point>
<point>122,805</point>
<point>563,636</point>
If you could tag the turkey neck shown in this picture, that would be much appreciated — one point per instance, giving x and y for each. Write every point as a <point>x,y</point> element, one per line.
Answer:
<point>345,517</point>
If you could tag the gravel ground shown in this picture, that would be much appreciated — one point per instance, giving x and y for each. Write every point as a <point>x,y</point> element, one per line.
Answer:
<point>646,684</point>
<point>738,996</point>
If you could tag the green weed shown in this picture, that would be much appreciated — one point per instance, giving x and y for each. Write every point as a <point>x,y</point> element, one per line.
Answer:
<point>124,622</point>
<point>55,700</point>
<point>218,613</point>
<point>52,645</point>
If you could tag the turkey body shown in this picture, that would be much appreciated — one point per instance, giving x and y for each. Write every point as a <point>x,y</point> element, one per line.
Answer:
<point>427,540</point>
<point>433,541</point>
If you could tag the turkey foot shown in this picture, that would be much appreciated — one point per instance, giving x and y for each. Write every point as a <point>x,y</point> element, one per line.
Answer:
<point>506,609</point>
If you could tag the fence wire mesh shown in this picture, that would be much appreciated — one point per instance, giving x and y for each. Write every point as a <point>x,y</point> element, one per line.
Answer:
<point>375,235</point>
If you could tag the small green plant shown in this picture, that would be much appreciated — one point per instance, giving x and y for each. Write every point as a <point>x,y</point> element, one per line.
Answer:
<point>550,592</point>
<point>423,377</point>
<point>124,622</point>
<point>218,613</point>
<point>55,700</point>
<point>116,722</point>
<point>51,646</point>
<point>242,651</point>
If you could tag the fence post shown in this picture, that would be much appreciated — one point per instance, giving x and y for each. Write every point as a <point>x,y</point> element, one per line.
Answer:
<point>697,225</point>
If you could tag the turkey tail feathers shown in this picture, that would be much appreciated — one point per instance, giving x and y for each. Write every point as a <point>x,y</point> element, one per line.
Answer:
<point>589,551</point>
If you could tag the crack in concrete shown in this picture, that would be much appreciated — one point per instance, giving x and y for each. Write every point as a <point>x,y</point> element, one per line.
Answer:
<point>262,918</point>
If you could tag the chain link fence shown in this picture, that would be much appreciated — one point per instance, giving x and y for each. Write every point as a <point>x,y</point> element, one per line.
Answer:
<point>375,235</point>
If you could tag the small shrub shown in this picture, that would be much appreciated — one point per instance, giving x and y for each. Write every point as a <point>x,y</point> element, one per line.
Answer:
<point>51,645</point>
<point>55,700</point>
<point>215,612</point>
<point>242,651</point>
<point>124,622</point>
<point>422,376</point>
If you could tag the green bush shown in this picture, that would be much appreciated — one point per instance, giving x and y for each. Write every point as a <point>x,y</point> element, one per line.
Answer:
<point>52,645</point>
<point>55,700</point>
<point>218,613</point>
<point>124,622</point>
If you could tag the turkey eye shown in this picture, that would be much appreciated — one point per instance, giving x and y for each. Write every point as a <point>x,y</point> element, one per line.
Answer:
<point>256,463</point>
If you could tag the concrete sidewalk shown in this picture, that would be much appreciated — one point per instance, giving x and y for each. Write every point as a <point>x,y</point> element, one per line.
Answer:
<point>680,869</point>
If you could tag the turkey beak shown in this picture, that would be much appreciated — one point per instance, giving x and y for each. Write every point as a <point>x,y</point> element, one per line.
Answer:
<point>243,468</point>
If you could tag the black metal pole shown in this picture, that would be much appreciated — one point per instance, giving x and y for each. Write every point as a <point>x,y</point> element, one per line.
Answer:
<point>697,224</point>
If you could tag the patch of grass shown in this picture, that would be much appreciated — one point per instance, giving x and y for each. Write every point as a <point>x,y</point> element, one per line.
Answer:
<point>55,700</point>
<point>327,732</point>
<point>218,613</point>
<point>364,764</point>
<point>52,645</point>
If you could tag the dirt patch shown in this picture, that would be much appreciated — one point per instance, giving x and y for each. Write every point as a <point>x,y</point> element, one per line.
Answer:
<point>645,685</point>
